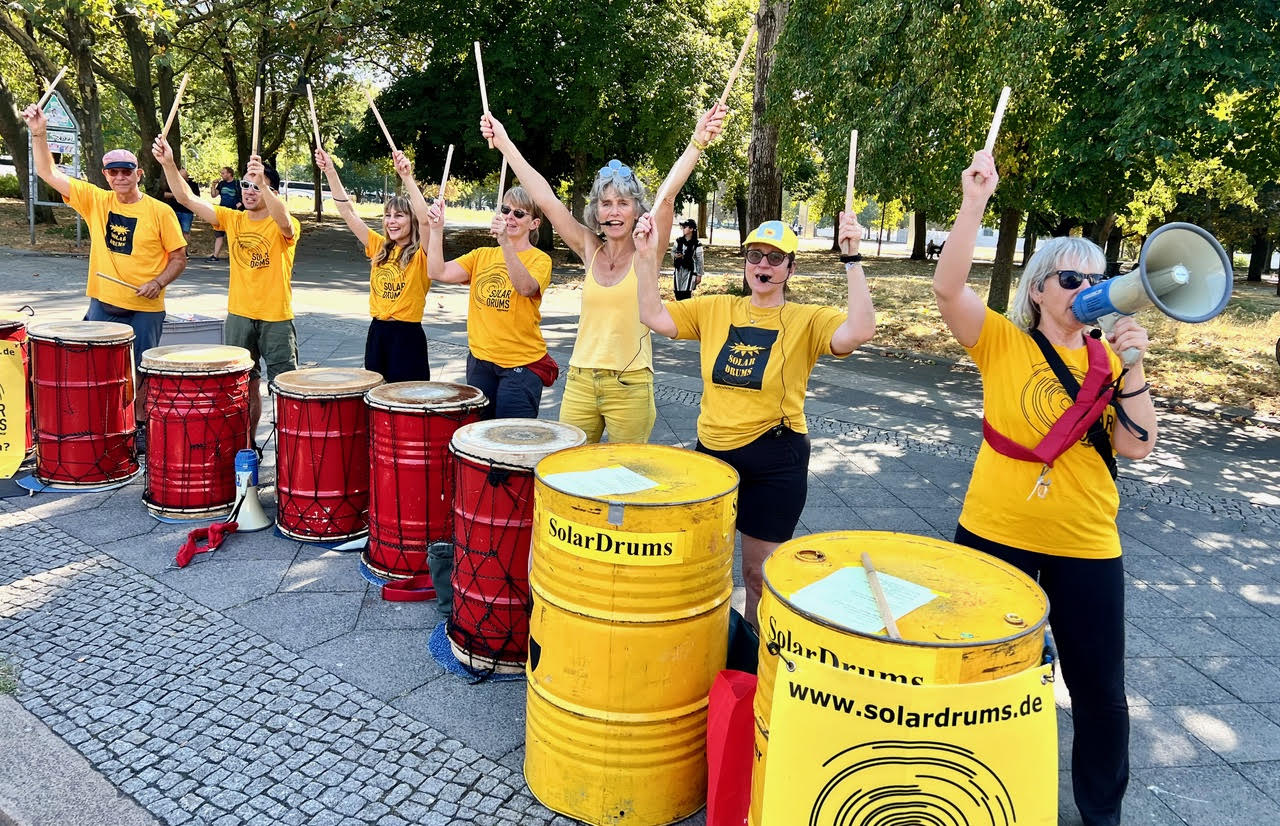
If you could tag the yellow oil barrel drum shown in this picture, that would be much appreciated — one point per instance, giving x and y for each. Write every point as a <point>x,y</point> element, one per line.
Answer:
<point>629,629</point>
<point>986,622</point>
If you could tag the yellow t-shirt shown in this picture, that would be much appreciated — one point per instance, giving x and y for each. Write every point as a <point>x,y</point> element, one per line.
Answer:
<point>502,325</point>
<point>130,242</point>
<point>261,265</point>
<point>610,334</point>
<point>397,292</point>
<point>1022,399</point>
<point>755,363</point>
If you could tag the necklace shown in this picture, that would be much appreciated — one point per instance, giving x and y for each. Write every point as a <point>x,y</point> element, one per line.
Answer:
<point>765,313</point>
<point>613,262</point>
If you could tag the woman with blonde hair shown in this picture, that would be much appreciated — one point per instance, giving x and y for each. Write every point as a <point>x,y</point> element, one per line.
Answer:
<point>609,387</point>
<point>396,345</point>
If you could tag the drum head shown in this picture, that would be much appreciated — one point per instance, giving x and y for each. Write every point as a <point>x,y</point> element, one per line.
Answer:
<point>196,358</point>
<point>437,396</point>
<point>106,332</point>
<point>327,381</point>
<point>517,443</point>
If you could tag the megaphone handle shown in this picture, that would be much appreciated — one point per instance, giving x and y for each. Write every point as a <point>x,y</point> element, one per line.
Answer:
<point>1129,355</point>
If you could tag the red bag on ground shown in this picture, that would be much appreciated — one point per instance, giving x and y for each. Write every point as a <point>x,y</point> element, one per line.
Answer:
<point>730,748</point>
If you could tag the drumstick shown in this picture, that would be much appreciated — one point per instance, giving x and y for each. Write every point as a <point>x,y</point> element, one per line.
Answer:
<point>378,115</point>
<point>995,122</point>
<point>315,123</point>
<point>733,75</point>
<point>115,280</point>
<point>502,182</point>
<point>48,92</point>
<point>853,164</point>
<point>257,107</point>
<point>873,580</point>
<point>173,110</point>
<point>444,179</point>
<point>484,95</point>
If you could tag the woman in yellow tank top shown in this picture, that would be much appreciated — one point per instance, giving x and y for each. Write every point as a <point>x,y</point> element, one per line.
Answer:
<point>609,386</point>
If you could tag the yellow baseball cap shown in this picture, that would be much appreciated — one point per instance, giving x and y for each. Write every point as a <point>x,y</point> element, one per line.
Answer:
<point>775,234</point>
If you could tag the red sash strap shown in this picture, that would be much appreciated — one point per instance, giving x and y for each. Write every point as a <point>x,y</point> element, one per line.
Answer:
<point>1094,396</point>
<point>213,536</point>
<point>418,588</point>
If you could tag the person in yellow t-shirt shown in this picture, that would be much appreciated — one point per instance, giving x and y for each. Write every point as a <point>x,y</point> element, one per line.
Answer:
<point>609,386</point>
<point>1066,538</point>
<point>756,355</point>
<point>396,346</point>
<point>262,241</point>
<point>134,238</point>
<point>508,356</point>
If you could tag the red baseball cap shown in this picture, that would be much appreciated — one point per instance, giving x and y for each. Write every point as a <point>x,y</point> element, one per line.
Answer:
<point>119,159</point>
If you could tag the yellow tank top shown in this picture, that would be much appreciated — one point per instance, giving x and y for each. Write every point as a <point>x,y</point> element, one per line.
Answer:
<point>610,333</point>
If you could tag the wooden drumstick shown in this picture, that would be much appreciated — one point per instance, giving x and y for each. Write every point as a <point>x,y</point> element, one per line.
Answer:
<point>484,95</point>
<point>853,165</point>
<point>115,280</point>
<point>502,182</point>
<point>733,75</point>
<point>378,115</point>
<point>257,110</point>
<point>173,110</point>
<point>48,92</point>
<point>444,179</point>
<point>873,580</point>
<point>995,122</point>
<point>315,122</point>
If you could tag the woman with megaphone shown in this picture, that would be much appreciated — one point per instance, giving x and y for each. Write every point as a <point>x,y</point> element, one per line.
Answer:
<point>1058,405</point>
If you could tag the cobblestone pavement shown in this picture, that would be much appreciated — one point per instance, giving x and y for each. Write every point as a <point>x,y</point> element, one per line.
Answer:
<point>268,683</point>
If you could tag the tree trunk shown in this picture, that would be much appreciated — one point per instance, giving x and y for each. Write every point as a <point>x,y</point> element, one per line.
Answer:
<point>138,89</point>
<point>921,230</point>
<point>702,216</point>
<point>89,113</point>
<point>1063,228</point>
<point>1029,241</point>
<point>1002,271</point>
<point>740,206</point>
<point>13,129</point>
<point>1257,256</point>
<point>765,188</point>
<point>1113,251</point>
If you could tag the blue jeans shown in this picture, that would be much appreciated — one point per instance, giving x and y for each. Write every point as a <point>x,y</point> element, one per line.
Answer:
<point>513,392</point>
<point>147,326</point>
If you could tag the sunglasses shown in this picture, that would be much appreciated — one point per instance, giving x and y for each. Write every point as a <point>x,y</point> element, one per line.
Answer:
<point>117,171</point>
<point>616,168</point>
<point>519,213</point>
<point>1070,279</point>
<point>249,185</point>
<point>775,258</point>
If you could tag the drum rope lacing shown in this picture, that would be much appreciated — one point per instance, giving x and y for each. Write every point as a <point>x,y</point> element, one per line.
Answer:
<point>118,455</point>
<point>299,464</point>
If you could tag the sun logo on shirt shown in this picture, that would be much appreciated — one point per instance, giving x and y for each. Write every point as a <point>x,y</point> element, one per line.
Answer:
<point>747,349</point>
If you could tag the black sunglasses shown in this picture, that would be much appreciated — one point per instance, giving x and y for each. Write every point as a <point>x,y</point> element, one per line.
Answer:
<point>519,213</point>
<point>775,258</point>
<point>1070,279</point>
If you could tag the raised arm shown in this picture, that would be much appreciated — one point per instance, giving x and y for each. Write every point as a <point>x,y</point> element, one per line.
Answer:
<point>38,126</point>
<point>709,127</point>
<point>961,308</point>
<point>163,153</point>
<point>653,313</point>
<point>340,198</point>
<point>446,272</point>
<point>860,322</point>
<point>579,237</point>
<point>418,203</point>
<point>274,206</point>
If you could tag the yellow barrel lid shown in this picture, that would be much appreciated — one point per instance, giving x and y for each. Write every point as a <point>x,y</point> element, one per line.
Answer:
<point>681,476</point>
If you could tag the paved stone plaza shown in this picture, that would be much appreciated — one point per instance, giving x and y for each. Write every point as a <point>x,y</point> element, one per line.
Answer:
<point>269,683</point>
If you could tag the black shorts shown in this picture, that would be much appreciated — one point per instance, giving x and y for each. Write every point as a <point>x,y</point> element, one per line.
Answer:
<point>397,350</point>
<point>774,482</point>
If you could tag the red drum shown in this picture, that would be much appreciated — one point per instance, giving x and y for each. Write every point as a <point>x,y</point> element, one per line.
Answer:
<point>82,383</point>
<point>493,530</point>
<point>197,402</point>
<point>15,330</point>
<point>411,488</point>
<point>322,457</point>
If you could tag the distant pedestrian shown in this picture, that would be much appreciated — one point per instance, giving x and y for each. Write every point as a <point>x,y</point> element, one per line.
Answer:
<point>227,190</point>
<point>185,216</point>
<point>686,255</point>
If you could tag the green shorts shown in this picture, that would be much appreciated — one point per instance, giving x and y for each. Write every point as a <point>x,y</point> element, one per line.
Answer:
<point>274,342</point>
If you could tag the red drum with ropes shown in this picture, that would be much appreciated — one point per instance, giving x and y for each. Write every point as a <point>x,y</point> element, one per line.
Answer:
<point>197,402</point>
<point>82,387</point>
<point>15,330</point>
<point>322,457</point>
<point>493,530</point>
<point>411,486</point>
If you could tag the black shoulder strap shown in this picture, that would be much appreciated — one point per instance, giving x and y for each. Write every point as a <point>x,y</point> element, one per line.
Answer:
<point>1097,434</point>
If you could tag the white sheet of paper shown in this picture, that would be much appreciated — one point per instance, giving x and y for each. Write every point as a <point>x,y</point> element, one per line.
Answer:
<point>605,481</point>
<point>844,597</point>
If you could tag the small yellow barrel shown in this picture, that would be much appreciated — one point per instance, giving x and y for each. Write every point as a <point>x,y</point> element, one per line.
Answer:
<point>986,622</point>
<point>629,629</point>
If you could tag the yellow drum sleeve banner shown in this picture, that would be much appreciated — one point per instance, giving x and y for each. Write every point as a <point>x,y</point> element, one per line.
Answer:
<point>13,409</point>
<point>846,749</point>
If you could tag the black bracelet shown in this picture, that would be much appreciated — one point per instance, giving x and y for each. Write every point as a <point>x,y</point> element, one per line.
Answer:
<point>1144,388</point>
<point>851,259</point>
<point>340,200</point>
